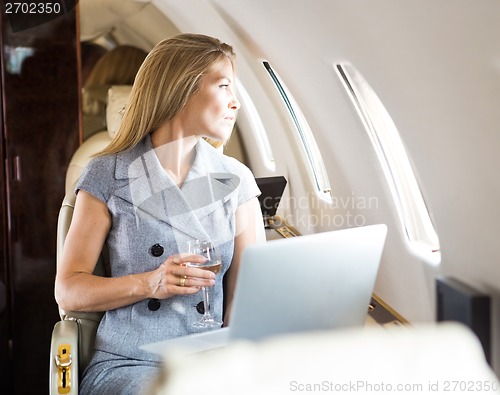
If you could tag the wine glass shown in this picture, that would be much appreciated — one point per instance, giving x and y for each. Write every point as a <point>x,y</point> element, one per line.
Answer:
<point>213,263</point>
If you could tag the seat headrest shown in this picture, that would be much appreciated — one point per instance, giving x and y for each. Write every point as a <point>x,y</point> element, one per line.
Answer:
<point>118,96</point>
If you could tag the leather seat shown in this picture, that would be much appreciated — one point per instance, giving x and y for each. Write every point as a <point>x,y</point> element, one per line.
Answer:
<point>73,337</point>
<point>117,100</point>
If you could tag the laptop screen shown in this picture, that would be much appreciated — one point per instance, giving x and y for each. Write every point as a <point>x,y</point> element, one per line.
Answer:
<point>315,282</point>
<point>272,190</point>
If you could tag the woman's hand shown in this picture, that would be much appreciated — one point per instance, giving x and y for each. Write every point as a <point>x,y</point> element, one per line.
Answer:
<point>174,277</point>
<point>78,289</point>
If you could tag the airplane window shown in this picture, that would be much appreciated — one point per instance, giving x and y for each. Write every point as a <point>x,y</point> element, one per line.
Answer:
<point>305,136</point>
<point>251,115</point>
<point>394,161</point>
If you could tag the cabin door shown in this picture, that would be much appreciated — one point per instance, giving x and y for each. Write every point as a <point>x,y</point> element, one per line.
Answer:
<point>40,131</point>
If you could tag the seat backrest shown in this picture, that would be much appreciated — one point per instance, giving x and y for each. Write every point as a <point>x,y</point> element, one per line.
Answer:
<point>82,156</point>
<point>117,100</point>
<point>88,322</point>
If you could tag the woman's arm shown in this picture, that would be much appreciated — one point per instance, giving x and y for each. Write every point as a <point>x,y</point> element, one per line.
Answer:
<point>77,289</point>
<point>249,227</point>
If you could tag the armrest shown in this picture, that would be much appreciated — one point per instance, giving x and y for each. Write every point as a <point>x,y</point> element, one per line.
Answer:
<point>64,359</point>
<point>87,324</point>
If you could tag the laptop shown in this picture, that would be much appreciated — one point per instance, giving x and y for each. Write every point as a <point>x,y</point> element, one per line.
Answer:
<point>322,281</point>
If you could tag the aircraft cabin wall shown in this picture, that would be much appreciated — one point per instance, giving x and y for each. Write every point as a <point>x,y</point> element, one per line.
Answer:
<point>435,66</point>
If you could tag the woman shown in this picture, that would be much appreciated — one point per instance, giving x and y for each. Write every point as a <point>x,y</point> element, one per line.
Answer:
<point>156,186</point>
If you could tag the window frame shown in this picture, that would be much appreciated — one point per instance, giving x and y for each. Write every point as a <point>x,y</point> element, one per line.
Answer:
<point>388,145</point>
<point>305,136</point>
<point>254,122</point>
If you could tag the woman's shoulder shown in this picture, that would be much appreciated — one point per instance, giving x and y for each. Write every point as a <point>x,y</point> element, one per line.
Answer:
<point>99,170</point>
<point>102,164</point>
<point>226,163</point>
<point>234,166</point>
<point>103,160</point>
<point>98,177</point>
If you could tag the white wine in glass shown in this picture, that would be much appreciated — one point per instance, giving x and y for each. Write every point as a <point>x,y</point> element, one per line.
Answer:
<point>213,263</point>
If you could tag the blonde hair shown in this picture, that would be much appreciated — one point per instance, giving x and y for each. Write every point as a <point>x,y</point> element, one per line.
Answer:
<point>169,76</point>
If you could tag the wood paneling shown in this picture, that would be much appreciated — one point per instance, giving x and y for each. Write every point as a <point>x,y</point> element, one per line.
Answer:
<point>41,131</point>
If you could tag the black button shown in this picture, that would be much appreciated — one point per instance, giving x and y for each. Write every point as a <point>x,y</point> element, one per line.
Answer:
<point>154,304</point>
<point>200,308</point>
<point>157,250</point>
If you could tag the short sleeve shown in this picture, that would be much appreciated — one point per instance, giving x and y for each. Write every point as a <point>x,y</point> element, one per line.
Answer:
<point>97,178</point>
<point>248,187</point>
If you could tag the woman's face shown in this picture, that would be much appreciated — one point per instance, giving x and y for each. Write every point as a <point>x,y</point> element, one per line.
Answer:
<point>211,112</point>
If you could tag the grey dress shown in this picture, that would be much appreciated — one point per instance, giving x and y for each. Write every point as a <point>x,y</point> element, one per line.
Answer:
<point>152,219</point>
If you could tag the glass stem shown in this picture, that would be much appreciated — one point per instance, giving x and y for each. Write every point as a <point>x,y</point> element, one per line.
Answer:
<point>206,303</point>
